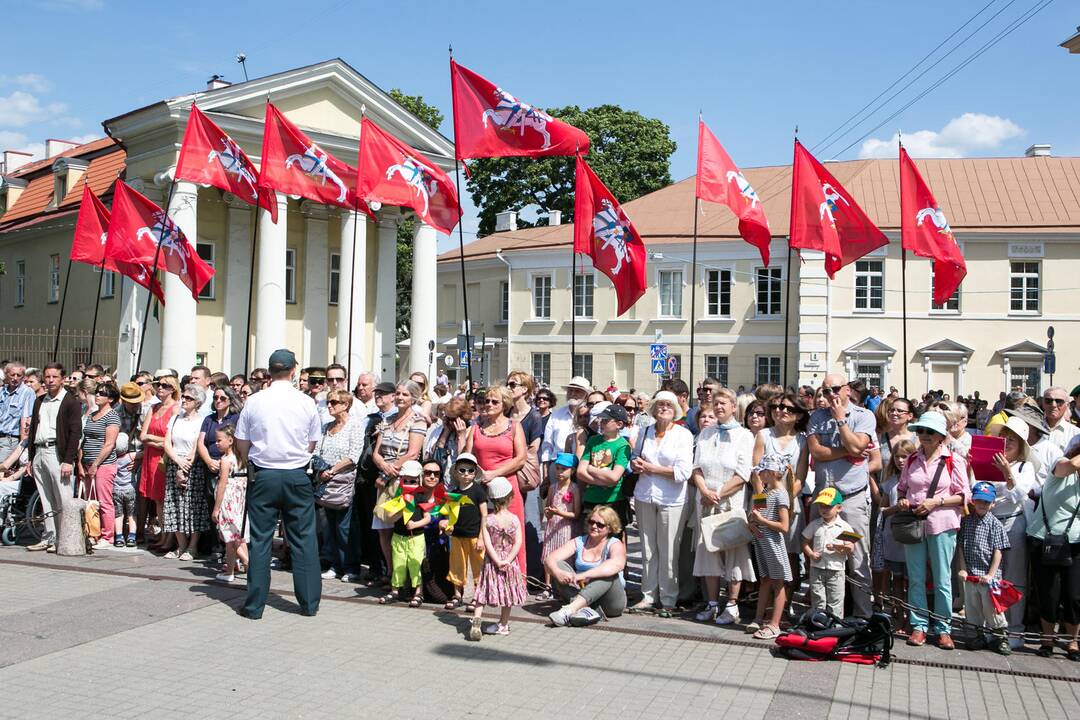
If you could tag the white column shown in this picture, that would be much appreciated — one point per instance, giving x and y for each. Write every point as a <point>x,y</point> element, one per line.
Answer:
<point>236,281</point>
<point>422,323</point>
<point>270,287</point>
<point>352,295</point>
<point>383,351</point>
<point>316,284</point>
<point>178,332</point>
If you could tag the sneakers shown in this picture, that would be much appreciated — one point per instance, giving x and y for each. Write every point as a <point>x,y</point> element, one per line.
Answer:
<point>585,616</point>
<point>1002,647</point>
<point>225,577</point>
<point>729,616</point>
<point>475,632</point>
<point>496,629</point>
<point>350,578</point>
<point>560,617</point>
<point>709,613</point>
<point>329,574</point>
<point>44,544</point>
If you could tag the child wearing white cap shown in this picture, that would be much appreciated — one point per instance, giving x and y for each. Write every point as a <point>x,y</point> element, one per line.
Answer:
<point>501,582</point>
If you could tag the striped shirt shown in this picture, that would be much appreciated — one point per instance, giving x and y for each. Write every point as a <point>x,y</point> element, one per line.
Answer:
<point>94,437</point>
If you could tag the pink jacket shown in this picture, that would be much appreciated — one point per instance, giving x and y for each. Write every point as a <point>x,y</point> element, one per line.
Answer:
<point>915,482</point>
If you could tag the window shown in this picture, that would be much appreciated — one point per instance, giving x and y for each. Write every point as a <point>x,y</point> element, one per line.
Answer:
<point>1027,379</point>
<point>718,294</point>
<point>542,297</point>
<point>54,278</point>
<point>582,365</point>
<point>108,284</point>
<point>541,367</point>
<point>716,366</point>
<point>20,283</point>
<point>768,291</point>
<point>951,305</point>
<point>870,374</point>
<point>768,369</point>
<point>504,302</point>
<point>869,285</point>
<point>670,282</point>
<point>583,296</point>
<point>335,277</point>
<point>1024,287</point>
<point>206,252</point>
<point>290,275</point>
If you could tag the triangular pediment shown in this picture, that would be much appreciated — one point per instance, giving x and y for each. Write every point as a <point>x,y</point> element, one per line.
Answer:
<point>1026,348</point>
<point>946,347</point>
<point>870,347</point>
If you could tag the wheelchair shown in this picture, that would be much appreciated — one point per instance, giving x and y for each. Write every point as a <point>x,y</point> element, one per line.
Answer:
<point>22,515</point>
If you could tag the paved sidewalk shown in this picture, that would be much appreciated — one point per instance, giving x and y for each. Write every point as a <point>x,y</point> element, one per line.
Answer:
<point>158,639</point>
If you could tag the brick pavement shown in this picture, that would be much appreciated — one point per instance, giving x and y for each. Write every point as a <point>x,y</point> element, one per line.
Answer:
<point>156,639</point>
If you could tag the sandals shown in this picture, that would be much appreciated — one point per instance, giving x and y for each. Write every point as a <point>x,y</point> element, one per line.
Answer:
<point>753,627</point>
<point>186,556</point>
<point>416,601</point>
<point>470,606</point>
<point>452,604</point>
<point>388,598</point>
<point>640,607</point>
<point>546,595</point>
<point>172,555</point>
<point>664,613</point>
<point>767,632</point>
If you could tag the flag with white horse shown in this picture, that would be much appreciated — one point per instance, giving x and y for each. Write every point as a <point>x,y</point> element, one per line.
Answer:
<point>925,231</point>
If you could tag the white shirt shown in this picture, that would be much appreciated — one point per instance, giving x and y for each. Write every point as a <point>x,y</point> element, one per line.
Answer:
<point>1063,432</point>
<point>360,409</point>
<point>47,415</point>
<point>674,450</point>
<point>559,427</point>
<point>1048,455</point>
<point>280,422</point>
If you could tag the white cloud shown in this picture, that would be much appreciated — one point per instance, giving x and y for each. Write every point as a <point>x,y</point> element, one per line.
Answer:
<point>31,81</point>
<point>21,108</point>
<point>961,136</point>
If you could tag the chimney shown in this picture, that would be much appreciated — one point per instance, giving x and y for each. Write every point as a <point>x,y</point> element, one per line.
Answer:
<point>554,217</point>
<point>1038,151</point>
<point>15,159</point>
<point>54,147</point>
<point>217,81</point>
<point>506,221</point>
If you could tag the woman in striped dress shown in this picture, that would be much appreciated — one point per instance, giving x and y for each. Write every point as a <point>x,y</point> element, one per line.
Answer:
<point>97,455</point>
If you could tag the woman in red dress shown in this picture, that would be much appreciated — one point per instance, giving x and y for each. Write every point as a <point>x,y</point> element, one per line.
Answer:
<point>155,425</point>
<point>499,446</point>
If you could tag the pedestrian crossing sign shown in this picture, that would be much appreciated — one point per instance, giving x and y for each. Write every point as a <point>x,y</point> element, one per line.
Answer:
<point>659,367</point>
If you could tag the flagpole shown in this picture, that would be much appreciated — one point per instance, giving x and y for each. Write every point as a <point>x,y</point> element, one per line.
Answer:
<point>153,277</point>
<point>903,285</point>
<point>693,288</point>
<point>352,297</point>
<point>97,306</point>
<point>461,249</point>
<point>63,302</point>
<point>787,314</point>
<point>251,284</point>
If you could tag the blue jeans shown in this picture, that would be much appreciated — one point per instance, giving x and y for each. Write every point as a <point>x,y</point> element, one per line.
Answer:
<point>939,548</point>
<point>337,547</point>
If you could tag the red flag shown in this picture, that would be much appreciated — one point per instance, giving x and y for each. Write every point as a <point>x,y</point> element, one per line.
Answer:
<point>490,122</point>
<point>135,231</point>
<point>825,217</point>
<point>210,157</point>
<point>925,231</point>
<point>392,172</point>
<point>605,234</point>
<point>91,246</point>
<point>292,163</point>
<point>719,180</point>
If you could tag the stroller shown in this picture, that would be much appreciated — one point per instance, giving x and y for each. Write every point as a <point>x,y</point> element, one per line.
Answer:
<point>820,635</point>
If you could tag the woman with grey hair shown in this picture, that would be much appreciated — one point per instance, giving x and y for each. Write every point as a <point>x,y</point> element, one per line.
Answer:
<point>187,512</point>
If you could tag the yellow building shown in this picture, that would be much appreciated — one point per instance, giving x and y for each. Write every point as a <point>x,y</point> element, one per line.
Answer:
<point>1016,219</point>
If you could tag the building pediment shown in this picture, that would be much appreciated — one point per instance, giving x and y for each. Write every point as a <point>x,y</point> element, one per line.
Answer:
<point>1025,349</point>
<point>946,349</point>
<point>870,348</point>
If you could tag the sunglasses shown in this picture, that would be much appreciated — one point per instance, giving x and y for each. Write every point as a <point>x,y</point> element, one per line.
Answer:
<point>491,401</point>
<point>188,398</point>
<point>595,524</point>
<point>1054,401</point>
<point>834,389</point>
<point>220,398</point>
<point>513,384</point>
<point>757,413</point>
<point>544,399</point>
<point>790,409</point>
<point>466,470</point>
<point>335,379</point>
<point>244,393</point>
<point>335,402</point>
<point>432,473</point>
<point>101,393</point>
<point>144,383</point>
<point>898,411</point>
<point>920,431</point>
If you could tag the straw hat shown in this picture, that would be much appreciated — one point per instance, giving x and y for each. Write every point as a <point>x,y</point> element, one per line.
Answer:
<point>1020,429</point>
<point>666,396</point>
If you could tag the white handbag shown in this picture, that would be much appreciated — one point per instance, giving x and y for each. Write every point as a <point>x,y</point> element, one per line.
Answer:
<point>725,530</point>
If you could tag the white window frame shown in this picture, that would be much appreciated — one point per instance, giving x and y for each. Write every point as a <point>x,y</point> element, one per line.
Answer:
<point>582,364</point>
<point>706,280</point>
<point>54,279</point>
<point>676,278</point>
<point>547,280</point>
<point>504,301</point>
<point>867,270</point>
<point>108,284</point>
<point>1026,277</point>
<point>769,359</point>
<point>208,292</point>
<point>588,285</point>
<point>20,283</point>
<point>718,367</point>
<point>775,274</point>
<point>333,294</point>
<point>290,276</point>
<point>541,367</point>
<point>1027,368</point>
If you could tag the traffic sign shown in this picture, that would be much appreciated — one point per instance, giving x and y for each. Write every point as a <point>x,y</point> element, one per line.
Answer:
<point>672,365</point>
<point>1049,363</point>
<point>658,367</point>
<point>463,357</point>
<point>658,351</point>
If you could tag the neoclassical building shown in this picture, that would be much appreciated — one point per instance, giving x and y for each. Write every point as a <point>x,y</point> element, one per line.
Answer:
<point>1016,219</point>
<point>306,267</point>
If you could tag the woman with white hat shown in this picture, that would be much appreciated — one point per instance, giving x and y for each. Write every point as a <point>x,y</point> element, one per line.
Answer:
<point>1014,509</point>
<point>934,486</point>
<point>662,456</point>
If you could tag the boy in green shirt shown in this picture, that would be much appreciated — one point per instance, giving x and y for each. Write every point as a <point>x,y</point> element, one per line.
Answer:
<point>604,464</point>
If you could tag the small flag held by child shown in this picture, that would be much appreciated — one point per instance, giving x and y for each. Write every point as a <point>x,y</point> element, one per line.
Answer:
<point>849,536</point>
<point>761,501</point>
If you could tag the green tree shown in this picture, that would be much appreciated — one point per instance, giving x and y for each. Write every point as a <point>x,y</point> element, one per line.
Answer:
<point>432,117</point>
<point>629,152</point>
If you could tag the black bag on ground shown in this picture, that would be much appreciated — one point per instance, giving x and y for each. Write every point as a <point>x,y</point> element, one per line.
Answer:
<point>820,635</point>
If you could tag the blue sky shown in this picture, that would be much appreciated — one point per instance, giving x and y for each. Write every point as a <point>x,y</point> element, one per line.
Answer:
<point>755,70</point>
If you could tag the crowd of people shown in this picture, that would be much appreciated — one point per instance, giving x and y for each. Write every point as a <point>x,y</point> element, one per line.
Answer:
<point>842,498</point>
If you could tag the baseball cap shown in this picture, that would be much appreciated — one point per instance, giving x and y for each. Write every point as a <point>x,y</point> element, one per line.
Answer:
<point>384,388</point>
<point>829,497</point>
<point>983,491</point>
<point>499,487</point>
<point>412,469</point>
<point>131,392</point>
<point>282,359</point>
<point>614,412</point>
<point>566,459</point>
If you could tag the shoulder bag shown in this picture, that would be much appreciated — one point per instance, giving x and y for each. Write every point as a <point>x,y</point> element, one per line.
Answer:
<point>1055,551</point>
<point>909,528</point>
<point>528,476</point>
<point>725,530</point>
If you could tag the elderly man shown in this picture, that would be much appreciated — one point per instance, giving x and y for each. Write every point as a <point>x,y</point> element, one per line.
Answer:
<point>839,437</point>
<point>54,435</point>
<point>1055,405</point>
<point>561,421</point>
<point>276,434</point>
<point>16,407</point>
<point>365,395</point>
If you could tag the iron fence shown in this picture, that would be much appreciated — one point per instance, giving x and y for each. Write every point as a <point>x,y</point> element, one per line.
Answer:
<point>34,346</point>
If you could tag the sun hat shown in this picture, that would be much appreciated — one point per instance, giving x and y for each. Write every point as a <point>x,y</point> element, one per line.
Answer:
<point>829,497</point>
<point>931,420</point>
<point>565,459</point>
<point>499,487</point>
<point>666,396</point>
<point>984,491</point>
<point>771,463</point>
<point>466,457</point>
<point>411,468</point>
<point>131,392</point>
<point>1031,415</point>
<point>579,382</point>
<point>164,372</point>
<point>1019,427</point>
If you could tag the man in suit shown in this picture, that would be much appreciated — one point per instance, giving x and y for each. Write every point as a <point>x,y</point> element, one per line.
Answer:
<point>54,436</point>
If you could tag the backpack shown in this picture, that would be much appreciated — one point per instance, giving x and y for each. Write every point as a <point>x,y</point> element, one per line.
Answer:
<point>820,635</point>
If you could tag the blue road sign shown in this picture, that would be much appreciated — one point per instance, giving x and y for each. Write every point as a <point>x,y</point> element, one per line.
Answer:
<point>463,357</point>
<point>672,365</point>
<point>658,367</point>
<point>1049,363</point>
<point>658,351</point>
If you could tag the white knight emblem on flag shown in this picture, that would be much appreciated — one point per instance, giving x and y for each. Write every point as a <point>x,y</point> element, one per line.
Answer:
<point>612,228</point>
<point>509,113</point>
<point>168,234</point>
<point>938,218</point>
<point>748,193</point>
<point>829,206</point>
<point>232,162</point>
<point>313,164</point>
<point>416,175</point>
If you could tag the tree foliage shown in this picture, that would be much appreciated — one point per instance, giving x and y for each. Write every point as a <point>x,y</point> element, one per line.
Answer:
<point>630,153</point>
